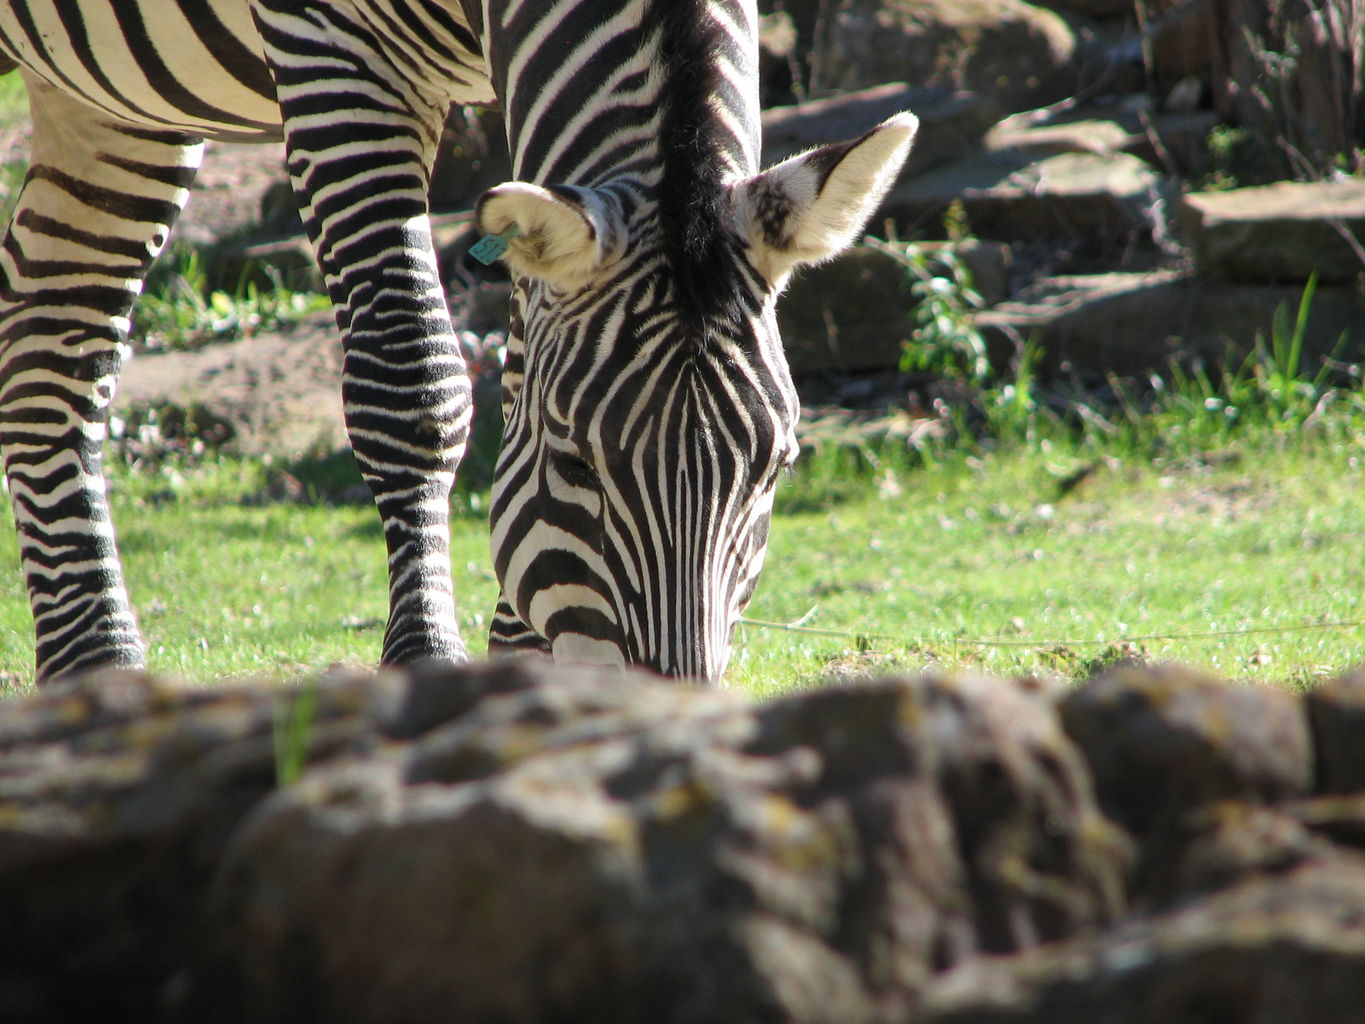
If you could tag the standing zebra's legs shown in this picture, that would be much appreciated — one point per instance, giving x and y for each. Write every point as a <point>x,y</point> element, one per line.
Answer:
<point>360,140</point>
<point>96,207</point>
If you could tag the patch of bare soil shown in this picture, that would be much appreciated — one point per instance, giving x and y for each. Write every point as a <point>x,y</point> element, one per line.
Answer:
<point>238,187</point>
<point>277,393</point>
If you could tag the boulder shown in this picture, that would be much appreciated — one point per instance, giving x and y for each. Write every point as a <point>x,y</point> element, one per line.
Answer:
<point>578,847</point>
<point>1272,950</point>
<point>853,313</point>
<point>524,842</point>
<point>1172,141</point>
<point>1164,742</point>
<point>1096,135</point>
<point>1187,764</point>
<point>118,795</point>
<point>951,124</point>
<point>1282,232</point>
<point>1019,54</point>
<point>1132,324</point>
<point>1107,198</point>
<point>1336,714</point>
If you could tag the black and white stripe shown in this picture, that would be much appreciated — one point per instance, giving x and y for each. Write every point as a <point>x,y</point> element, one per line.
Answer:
<point>647,399</point>
<point>648,402</point>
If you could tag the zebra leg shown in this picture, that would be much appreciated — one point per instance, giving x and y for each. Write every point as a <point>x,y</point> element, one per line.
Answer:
<point>360,141</point>
<point>96,207</point>
<point>508,635</point>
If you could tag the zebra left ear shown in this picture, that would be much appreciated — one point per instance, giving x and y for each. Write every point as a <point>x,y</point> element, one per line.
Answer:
<point>813,206</point>
<point>561,235</point>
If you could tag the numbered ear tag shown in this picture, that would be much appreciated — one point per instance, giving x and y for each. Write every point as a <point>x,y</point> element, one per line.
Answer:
<point>490,247</point>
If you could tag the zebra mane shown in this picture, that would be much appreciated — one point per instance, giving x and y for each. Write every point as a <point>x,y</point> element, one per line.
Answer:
<point>694,149</point>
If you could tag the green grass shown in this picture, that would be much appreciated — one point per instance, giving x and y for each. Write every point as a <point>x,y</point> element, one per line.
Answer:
<point>1241,561</point>
<point>13,100</point>
<point>1236,563</point>
<point>180,310</point>
<point>1212,519</point>
<point>225,588</point>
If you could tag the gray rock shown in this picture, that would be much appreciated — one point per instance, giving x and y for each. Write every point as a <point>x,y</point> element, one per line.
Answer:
<point>1175,142</point>
<point>589,848</point>
<point>1282,232</point>
<point>1019,54</point>
<point>118,793</point>
<point>518,842</point>
<point>1273,950</point>
<point>1132,324</point>
<point>951,124</point>
<point>854,313</point>
<point>1336,713</point>
<point>1010,194</point>
<point>1164,742</point>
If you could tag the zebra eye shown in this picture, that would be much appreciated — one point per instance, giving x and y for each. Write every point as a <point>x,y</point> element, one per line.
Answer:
<point>574,470</point>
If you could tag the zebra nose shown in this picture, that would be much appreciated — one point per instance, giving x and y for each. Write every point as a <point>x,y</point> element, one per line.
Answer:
<point>577,649</point>
<point>698,664</point>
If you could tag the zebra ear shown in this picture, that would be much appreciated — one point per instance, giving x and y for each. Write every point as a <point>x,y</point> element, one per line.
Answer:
<point>813,206</point>
<point>561,235</point>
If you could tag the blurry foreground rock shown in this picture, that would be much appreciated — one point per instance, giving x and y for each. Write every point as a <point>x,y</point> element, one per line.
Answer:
<point>517,842</point>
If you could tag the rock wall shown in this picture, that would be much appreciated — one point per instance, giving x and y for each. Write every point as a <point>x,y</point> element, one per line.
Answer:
<point>518,842</point>
<point>1132,222</point>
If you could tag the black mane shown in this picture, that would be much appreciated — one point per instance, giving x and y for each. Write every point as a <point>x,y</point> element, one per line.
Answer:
<point>699,243</point>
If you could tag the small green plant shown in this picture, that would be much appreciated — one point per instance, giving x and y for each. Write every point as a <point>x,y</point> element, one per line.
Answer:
<point>12,175</point>
<point>13,100</point>
<point>1011,408</point>
<point>294,716</point>
<point>1289,397</point>
<point>1269,389</point>
<point>181,311</point>
<point>944,339</point>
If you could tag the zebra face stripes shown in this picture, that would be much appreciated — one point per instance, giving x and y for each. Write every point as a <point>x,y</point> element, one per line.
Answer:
<point>649,407</point>
<point>632,496</point>
<point>648,403</point>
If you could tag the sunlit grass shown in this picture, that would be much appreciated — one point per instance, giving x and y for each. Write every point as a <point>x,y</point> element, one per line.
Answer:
<point>13,100</point>
<point>1245,562</point>
<point>225,586</point>
<point>1244,565</point>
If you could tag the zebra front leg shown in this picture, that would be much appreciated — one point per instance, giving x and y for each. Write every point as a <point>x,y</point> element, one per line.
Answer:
<point>96,207</point>
<point>508,636</point>
<point>360,141</point>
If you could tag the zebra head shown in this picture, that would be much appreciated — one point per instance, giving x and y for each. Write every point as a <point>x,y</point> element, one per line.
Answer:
<point>649,408</point>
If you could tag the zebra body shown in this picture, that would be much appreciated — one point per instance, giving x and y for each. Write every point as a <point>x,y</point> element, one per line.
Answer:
<point>647,400</point>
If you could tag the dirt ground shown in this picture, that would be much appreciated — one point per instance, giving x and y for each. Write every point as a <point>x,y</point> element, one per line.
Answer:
<point>279,390</point>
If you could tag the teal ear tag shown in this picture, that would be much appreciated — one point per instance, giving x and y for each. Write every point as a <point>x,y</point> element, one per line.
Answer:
<point>490,247</point>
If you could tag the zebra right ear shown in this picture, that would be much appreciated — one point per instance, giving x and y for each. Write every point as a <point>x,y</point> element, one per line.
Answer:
<point>813,206</point>
<point>562,235</point>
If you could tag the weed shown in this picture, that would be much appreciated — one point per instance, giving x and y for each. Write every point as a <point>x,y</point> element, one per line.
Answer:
<point>180,311</point>
<point>13,100</point>
<point>294,716</point>
<point>945,339</point>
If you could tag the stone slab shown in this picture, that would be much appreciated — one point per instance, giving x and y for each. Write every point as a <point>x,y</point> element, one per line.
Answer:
<point>1282,232</point>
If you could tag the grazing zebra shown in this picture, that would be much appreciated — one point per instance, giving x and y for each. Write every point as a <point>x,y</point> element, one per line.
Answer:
<point>648,405</point>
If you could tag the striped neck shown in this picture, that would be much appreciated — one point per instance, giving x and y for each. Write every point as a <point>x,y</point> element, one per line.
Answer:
<point>661,93</point>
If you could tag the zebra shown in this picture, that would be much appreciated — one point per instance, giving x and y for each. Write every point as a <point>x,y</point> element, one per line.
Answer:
<point>648,406</point>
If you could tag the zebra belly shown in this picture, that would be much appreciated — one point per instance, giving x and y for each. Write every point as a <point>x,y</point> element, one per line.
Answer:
<point>188,66</point>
